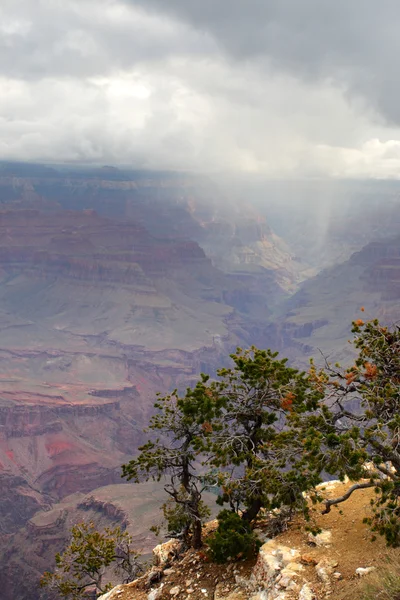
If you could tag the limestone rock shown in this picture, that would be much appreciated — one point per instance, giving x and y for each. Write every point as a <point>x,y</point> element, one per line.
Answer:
<point>156,593</point>
<point>278,571</point>
<point>306,593</point>
<point>244,582</point>
<point>362,571</point>
<point>264,595</point>
<point>321,539</point>
<point>266,568</point>
<point>293,567</point>
<point>167,552</point>
<point>331,485</point>
<point>260,596</point>
<point>272,558</point>
<point>175,591</point>
<point>328,563</point>
<point>323,575</point>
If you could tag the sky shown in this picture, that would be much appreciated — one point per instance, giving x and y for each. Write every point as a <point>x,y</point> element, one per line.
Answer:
<point>282,88</point>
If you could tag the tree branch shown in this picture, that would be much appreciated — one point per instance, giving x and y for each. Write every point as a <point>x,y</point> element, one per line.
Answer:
<point>346,496</point>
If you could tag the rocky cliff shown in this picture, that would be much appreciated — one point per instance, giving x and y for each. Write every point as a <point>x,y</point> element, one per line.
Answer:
<point>233,234</point>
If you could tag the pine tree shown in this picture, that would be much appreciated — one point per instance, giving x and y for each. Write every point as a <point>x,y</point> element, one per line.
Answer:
<point>174,455</point>
<point>88,558</point>
<point>356,429</point>
<point>253,443</point>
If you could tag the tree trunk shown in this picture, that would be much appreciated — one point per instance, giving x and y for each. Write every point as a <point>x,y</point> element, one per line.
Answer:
<point>197,542</point>
<point>251,513</point>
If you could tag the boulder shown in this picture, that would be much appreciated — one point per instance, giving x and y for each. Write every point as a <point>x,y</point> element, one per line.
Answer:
<point>278,571</point>
<point>272,558</point>
<point>165,553</point>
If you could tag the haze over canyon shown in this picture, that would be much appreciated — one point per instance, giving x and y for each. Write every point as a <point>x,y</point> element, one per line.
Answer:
<point>118,284</point>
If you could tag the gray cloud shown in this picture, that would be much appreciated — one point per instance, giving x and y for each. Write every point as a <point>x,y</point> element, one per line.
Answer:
<point>273,86</point>
<point>354,43</point>
<point>87,37</point>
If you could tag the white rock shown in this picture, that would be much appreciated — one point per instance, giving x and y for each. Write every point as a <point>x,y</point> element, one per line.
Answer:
<point>285,581</point>
<point>329,485</point>
<point>323,575</point>
<point>321,539</point>
<point>292,568</point>
<point>306,593</point>
<point>266,569</point>
<point>361,571</point>
<point>293,586</point>
<point>325,569</point>
<point>329,563</point>
<point>175,590</point>
<point>260,596</point>
<point>163,553</point>
<point>272,558</point>
<point>156,593</point>
<point>337,575</point>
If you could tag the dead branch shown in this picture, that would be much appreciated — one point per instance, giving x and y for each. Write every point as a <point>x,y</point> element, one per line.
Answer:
<point>346,496</point>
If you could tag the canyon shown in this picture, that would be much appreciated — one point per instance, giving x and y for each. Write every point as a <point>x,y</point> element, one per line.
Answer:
<point>315,320</point>
<point>116,285</point>
<point>106,298</point>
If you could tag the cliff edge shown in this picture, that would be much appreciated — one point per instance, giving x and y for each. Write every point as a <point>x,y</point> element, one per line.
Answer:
<point>337,563</point>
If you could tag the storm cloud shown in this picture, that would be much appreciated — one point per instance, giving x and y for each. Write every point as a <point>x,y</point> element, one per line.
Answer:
<point>280,87</point>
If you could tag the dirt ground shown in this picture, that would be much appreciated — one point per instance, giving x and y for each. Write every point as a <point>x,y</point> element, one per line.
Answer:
<point>351,544</point>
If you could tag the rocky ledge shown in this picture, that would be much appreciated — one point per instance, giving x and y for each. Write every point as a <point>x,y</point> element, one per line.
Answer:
<point>295,565</point>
